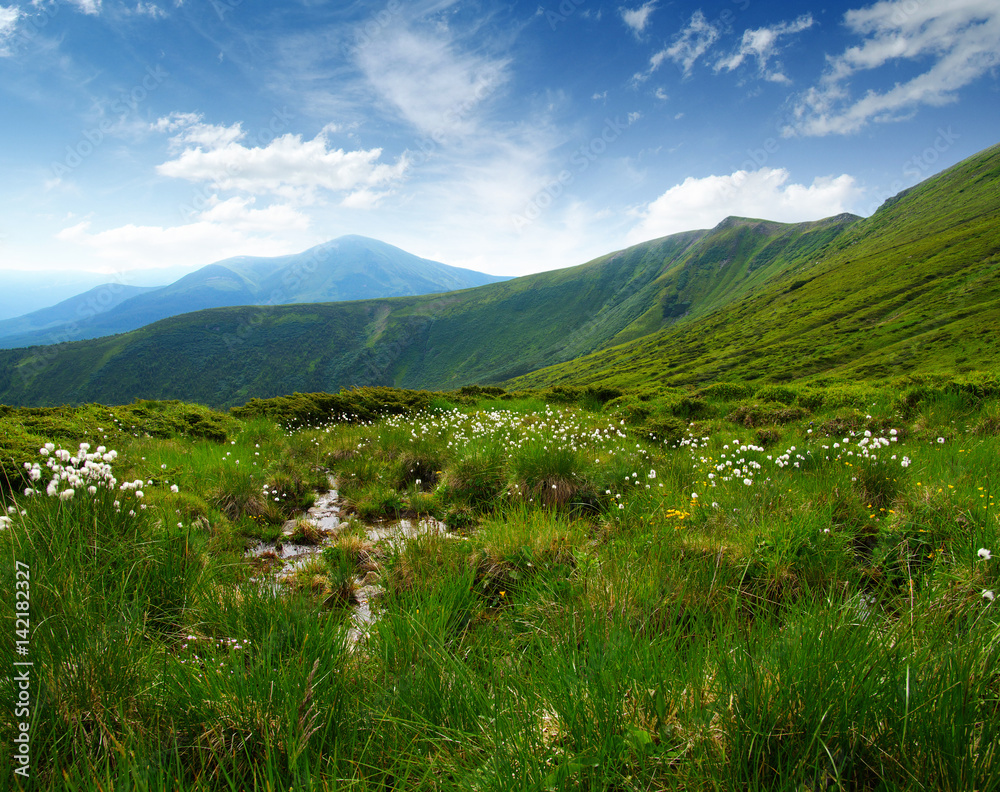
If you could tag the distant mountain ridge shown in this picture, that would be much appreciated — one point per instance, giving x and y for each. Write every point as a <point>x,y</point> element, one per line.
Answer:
<point>913,288</point>
<point>59,321</point>
<point>348,268</point>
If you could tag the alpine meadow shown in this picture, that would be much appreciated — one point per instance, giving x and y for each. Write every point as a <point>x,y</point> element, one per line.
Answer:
<point>713,512</point>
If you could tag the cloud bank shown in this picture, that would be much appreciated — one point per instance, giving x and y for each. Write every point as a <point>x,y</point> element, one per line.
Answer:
<point>765,193</point>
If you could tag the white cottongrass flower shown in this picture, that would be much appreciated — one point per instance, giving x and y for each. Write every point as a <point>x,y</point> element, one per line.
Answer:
<point>988,595</point>
<point>174,488</point>
<point>985,554</point>
<point>66,494</point>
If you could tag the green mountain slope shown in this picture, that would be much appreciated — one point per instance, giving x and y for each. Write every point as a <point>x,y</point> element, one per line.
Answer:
<point>226,356</point>
<point>347,268</point>
<point>915,287</point>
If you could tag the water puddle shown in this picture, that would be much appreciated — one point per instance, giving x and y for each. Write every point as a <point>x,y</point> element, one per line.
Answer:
<point>325,516</point>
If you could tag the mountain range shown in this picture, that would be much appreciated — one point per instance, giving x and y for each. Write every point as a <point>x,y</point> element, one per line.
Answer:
<point>913,288</point>
<point>347,268</point>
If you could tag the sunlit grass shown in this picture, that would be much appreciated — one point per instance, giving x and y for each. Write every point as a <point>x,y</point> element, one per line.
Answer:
<point>804,605</point>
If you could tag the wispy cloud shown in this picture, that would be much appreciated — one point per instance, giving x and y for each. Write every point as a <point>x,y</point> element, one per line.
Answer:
<point>764,193</point>
<point>959,39</point>
<point>761,45</point>
<point>690,44</point>
<point>637,18</point>
<point>87,6</point>
<point>148,9</point>
<point>429,80</point>
<point>288,166</point>
<point>8,24</point>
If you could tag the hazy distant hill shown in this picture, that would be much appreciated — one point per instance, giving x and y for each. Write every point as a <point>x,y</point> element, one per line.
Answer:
<point>68,313</point>
<point>348,268</point>
<point>915,287</point>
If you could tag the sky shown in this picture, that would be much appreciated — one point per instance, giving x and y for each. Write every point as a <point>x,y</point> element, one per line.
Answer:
<point>507,137</point>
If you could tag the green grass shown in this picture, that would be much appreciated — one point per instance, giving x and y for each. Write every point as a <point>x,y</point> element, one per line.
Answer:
<point>911,289</point>
<point>658,623</point>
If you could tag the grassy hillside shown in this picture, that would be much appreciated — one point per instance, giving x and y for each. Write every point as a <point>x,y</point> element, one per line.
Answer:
<point>225,356</point>
<point>913,288</point>
<point>347,268</point>
<point>805,601</point>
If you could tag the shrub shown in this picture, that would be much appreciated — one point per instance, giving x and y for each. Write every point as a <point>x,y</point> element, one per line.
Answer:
<point>727,391</point>
<point>777,393</point>
<point>478,476</point>
<point>752,415</point>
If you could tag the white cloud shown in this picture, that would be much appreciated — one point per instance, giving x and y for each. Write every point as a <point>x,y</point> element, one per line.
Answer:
<point>88,6</point>
<point>638,18</point>
<point>288,166</point>
<point>192,131</point>
<point>688,45</point>
<point>434,85</point>
<point>959,39</point>
<point>8,24</point>
<point>761,44</point>
<point>764,193</point>
<point>227,228</point>
<point>149,9</point>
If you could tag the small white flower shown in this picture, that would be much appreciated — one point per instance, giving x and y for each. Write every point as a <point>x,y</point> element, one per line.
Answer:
<point>988,595</point>
<point>985,554</point>
<point>66,494</point>
<point>940,439</point>
<point>174,488</point>
<point>138,493</point>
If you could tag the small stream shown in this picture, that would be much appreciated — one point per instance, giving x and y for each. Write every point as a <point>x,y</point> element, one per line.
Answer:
<point>325,514</point>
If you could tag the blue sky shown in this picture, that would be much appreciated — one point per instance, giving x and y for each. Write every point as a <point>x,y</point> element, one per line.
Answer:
<point>509,137</point>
